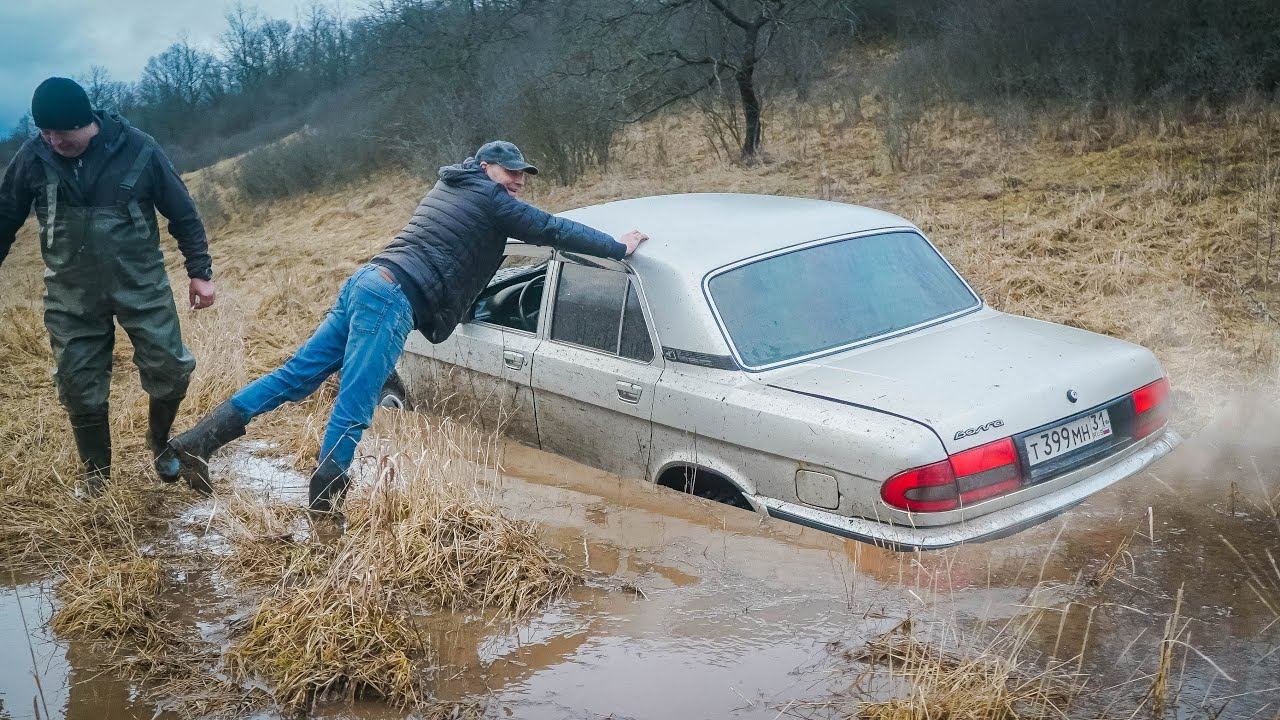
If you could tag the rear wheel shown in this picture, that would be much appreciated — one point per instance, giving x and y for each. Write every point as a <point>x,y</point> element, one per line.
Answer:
<point>704,484</point>
<point>393,395</point>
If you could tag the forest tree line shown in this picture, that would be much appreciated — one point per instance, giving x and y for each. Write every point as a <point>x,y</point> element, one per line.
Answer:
<point>415,83</point>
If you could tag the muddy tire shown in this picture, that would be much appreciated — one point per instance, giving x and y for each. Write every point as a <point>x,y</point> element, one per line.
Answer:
<point>727,497</point>
<point>393,395</point>
<point>704,484</point>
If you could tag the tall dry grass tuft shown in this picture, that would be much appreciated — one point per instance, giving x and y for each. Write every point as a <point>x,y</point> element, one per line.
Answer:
<point>429,517</point>
<point>342,635</point>
<point>271,542</point>
<point>993,682</point>
<point>422,532</point>
<point>117,601</point>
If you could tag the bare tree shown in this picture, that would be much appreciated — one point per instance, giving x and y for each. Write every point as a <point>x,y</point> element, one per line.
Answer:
<point>243,48</point>
<point>181,75</point>
<point>678,49</point>
<point>105,93</point>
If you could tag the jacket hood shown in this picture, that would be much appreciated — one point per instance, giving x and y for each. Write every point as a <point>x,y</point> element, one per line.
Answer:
<point>113,130</point>
<point>466,172</point>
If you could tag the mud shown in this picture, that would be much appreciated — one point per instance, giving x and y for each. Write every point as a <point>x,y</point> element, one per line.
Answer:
<point>696,610</point>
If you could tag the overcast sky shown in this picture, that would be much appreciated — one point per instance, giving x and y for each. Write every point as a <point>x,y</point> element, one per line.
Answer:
<point>40,38</point>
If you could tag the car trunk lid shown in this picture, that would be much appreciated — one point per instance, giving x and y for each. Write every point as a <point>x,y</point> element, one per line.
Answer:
<point>979,378</point>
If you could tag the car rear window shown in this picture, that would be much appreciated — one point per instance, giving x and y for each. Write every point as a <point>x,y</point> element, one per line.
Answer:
<point>828,296</point>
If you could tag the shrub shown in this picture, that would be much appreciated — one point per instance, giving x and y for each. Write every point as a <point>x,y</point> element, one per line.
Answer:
<point>1104,52</point>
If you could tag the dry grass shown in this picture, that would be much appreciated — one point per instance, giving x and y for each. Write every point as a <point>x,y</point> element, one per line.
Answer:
<point>116,601</point>
<point>986,685</point>
<point>1119,558</point>
<point>340,635</point>
<point>428,516</point>
<point>270,541</point>
<point>421,531</point>
<point>932,669</point>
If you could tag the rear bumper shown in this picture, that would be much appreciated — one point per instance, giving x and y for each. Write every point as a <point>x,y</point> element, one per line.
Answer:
<point>999,523</point>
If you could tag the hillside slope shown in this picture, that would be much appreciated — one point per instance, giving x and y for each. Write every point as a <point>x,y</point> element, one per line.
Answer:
<point>1165,240</point>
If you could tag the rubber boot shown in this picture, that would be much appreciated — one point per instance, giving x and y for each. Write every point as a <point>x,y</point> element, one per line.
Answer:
<point>193,447</point>
<point>164,458</point>
<point>328,486</point>
<point>93,443</point>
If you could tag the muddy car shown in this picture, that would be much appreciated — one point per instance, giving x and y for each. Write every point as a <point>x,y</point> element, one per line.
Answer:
<point>815,361</point>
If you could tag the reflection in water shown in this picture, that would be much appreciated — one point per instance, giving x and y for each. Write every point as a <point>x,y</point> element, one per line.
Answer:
<point>20,682</point>
<point>692,609</point>
<point>65,682</point>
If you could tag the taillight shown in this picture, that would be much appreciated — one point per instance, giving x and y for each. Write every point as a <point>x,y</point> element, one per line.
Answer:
<point>1150,408</point>
<point>931,488</point>
<point>987,470</point>
<point>966,477</point>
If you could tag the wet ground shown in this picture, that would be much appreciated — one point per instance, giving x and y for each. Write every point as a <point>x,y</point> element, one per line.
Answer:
<point>695,610</point>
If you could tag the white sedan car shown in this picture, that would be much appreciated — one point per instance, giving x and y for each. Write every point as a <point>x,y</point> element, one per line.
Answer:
<point>814,361</point>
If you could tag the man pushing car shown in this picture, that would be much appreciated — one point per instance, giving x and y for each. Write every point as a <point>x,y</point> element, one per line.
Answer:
<point>425,279</point>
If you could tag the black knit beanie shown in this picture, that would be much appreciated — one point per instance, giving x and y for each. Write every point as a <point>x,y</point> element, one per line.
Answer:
<point>60,104</point>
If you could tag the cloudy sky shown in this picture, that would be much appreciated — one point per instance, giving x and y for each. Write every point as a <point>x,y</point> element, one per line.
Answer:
<point>39,38</point>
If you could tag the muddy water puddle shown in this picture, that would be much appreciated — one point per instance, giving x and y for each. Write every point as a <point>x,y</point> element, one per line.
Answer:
<point>695,610</point>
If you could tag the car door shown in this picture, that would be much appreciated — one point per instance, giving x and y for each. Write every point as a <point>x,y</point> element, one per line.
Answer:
<point>468,383</point>
<point>486,361</point>
<point>595,370</point>
<point>520,342</point>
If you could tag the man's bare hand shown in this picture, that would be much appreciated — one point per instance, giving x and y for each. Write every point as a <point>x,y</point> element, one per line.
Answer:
<point>202,293</point>
<point>632,240</point>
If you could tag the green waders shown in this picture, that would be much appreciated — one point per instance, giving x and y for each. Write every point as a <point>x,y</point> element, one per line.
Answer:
<point>102,265</point>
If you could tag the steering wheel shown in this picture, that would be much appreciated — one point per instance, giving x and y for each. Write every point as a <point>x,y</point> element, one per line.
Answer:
<point>529,317</point>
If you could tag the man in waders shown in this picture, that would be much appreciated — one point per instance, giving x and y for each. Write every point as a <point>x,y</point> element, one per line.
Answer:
<point>426,279</point>
<point>96,183</point>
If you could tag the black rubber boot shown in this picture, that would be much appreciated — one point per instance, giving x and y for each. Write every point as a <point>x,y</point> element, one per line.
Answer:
<point>193,447</point>
<point>161,422</point>
<point>328,486</point>
<point>93,443</point>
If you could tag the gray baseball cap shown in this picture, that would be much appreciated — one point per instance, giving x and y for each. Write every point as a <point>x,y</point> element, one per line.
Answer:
<point>505,154</point>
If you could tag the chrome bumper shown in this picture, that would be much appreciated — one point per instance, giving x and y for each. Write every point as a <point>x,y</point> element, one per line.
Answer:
<point>984,527</point>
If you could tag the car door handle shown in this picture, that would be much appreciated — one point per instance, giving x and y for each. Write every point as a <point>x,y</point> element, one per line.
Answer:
<point>629,392</point>
<point>513,359</point>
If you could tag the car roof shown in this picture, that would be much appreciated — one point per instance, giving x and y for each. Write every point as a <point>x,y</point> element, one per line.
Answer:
<point>691,235</point>
<point>699,232</point>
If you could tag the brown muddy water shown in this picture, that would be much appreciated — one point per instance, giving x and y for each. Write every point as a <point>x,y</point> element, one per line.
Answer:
<point>695,610</point>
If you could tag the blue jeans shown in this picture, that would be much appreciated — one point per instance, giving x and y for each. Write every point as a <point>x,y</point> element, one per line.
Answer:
<point>363,335</point>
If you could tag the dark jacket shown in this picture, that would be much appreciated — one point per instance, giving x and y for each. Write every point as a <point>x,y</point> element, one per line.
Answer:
<point>451,248</point>
<point>93,180</point>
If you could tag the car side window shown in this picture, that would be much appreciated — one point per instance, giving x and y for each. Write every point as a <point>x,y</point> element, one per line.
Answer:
<point>634,342</point>
<point>513,297</point>
<point>589,303</point>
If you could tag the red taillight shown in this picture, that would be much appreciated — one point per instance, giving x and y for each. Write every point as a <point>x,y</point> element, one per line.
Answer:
<point>966,477</point>
<point>1150,408</point>
<point>987,470</point>
<point>931,488</point>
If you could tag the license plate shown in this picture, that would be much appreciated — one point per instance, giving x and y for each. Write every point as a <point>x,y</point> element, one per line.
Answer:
<point>1052,443</point>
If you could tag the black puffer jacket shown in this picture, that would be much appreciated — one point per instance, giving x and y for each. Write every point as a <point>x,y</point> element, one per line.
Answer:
<point>451,248</point>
